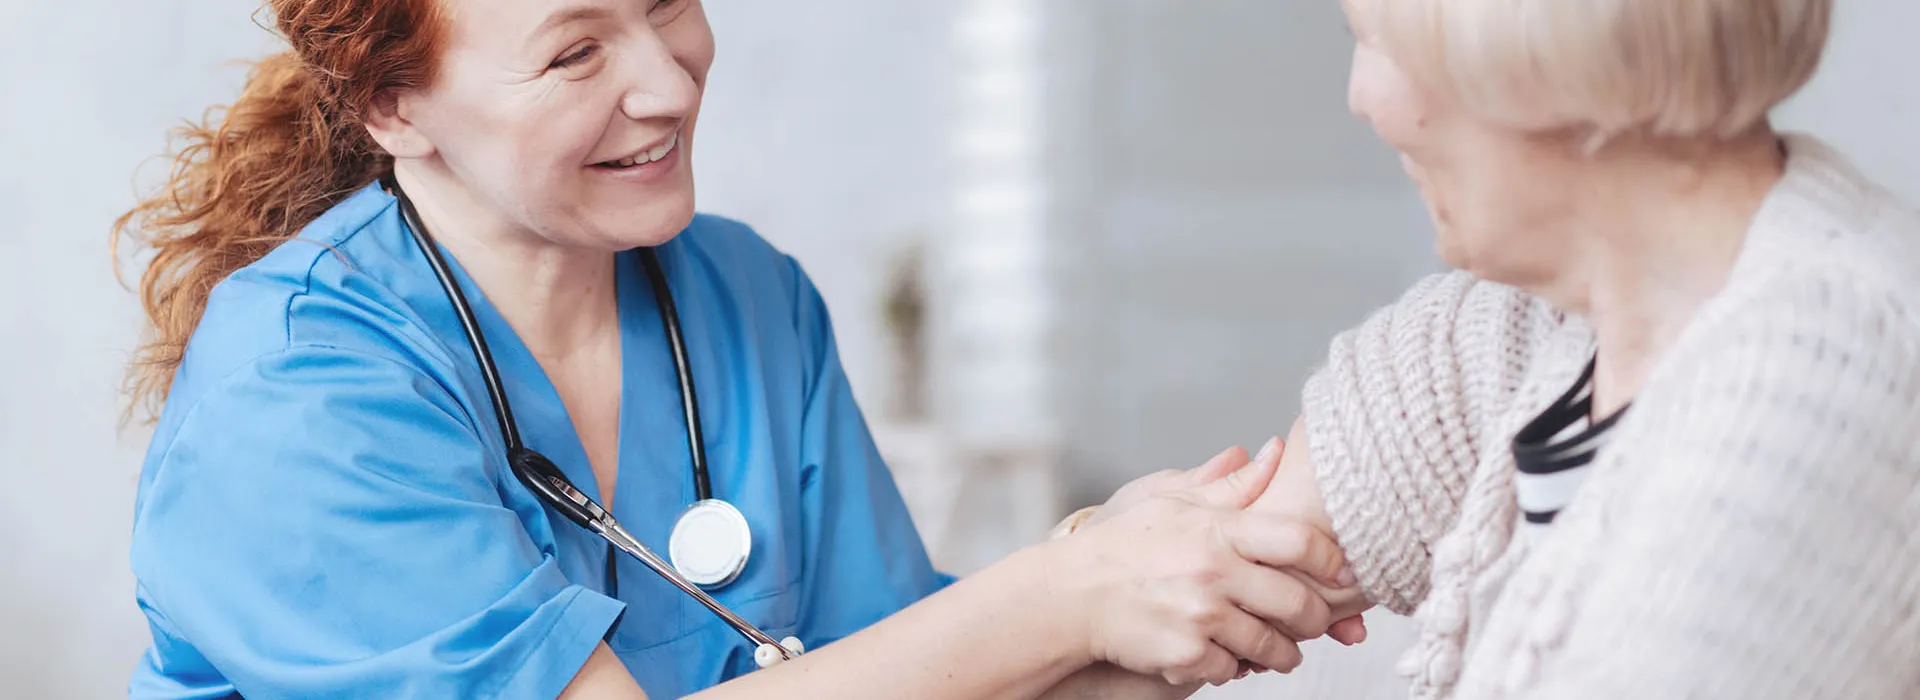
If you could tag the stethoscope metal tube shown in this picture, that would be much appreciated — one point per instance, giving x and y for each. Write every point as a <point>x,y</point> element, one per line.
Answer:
<point>625,541</point>
<point>588,514</point>
<point>545,479</point>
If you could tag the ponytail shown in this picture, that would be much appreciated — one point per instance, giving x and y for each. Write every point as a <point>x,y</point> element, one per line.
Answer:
<point>249,177</point>
<point>243,182</point>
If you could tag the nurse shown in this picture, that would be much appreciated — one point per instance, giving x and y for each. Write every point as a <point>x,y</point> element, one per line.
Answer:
<point>326,509</point>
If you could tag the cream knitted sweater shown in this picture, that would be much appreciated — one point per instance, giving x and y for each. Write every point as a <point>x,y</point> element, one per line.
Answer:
<point>1751,531</point>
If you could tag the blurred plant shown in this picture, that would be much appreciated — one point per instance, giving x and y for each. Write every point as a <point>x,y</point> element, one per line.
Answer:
<point>904,308</point>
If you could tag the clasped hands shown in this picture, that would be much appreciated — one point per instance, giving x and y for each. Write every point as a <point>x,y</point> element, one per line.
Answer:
<point>1228,589</point>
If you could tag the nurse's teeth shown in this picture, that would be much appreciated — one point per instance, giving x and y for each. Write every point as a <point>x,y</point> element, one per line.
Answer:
<point>661,151</point>
<point>657,153</point>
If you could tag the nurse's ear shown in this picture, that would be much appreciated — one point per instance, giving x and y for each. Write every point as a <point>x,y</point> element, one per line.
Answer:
<point>388,123</point>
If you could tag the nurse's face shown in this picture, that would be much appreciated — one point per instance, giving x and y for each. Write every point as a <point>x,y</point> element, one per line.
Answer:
<point>571,120</point>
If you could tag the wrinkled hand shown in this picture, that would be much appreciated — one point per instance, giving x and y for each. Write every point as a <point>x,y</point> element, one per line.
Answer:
<point>1348,631</point>
<point>1186,582</point>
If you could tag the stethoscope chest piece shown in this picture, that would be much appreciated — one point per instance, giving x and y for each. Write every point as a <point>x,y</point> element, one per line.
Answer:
<point>711,543</point>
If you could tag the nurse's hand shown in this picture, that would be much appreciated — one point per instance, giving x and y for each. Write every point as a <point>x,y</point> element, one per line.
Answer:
<point>1187,583</point>
<point>1168,481</point>
<point>1349,630</point>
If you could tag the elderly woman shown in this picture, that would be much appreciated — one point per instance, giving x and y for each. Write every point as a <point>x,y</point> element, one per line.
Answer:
<point>1656,436</point>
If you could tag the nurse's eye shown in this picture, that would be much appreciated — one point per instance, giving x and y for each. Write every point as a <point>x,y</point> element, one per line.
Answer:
<point>574,57</point>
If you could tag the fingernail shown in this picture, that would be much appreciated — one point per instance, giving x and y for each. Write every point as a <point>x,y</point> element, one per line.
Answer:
<point>1347,579</point>
<point>1267,450</point>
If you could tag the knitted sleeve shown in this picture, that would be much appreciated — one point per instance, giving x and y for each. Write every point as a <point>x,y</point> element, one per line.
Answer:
<point>1399,415</point>
<point>1767,547</point>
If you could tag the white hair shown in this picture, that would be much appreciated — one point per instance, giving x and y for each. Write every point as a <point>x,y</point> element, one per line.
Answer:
<point>1687,69</point>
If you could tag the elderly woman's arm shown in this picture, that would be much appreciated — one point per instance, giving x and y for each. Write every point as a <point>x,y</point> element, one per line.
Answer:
<point>1397,419</point>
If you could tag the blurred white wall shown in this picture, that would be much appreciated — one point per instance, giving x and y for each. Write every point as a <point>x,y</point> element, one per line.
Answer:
<point>1221,217</point>
<point>1866,98</point>
<point>86,91</point>
<point>825,126</point>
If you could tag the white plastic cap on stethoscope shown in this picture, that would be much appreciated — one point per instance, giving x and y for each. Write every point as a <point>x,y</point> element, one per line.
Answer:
<point>765,655</point>
<point>710,543</point>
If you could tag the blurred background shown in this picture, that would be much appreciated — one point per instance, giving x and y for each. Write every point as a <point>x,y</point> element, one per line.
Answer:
<point>1065,243</point>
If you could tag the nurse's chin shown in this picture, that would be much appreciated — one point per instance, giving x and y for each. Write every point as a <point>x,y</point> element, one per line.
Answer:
<point>627,228</point>
<point>631,216</point>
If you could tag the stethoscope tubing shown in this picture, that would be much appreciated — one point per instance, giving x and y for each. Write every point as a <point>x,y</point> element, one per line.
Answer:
<point>683,371</point>
<point>545,480</point>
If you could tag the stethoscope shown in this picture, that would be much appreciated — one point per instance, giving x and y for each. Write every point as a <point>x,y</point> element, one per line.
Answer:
<point>711,541</point>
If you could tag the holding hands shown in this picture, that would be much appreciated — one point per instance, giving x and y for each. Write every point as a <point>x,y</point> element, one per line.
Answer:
<point>1179,580</point>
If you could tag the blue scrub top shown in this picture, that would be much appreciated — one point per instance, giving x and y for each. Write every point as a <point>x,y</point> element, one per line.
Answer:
<point>326,511</point>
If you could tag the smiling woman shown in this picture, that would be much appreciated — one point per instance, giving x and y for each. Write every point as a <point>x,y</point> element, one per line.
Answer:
<point>330,508</point>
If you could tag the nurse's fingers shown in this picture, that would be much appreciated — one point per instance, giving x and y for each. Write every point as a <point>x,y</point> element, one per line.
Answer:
<point>1280,541</point>
<point>1250,638</point>
<point>1240,488</point>
<point>1349,631</point>
<point>1228,461</point>
<point>1286,603</point>
<point>1215,665</point>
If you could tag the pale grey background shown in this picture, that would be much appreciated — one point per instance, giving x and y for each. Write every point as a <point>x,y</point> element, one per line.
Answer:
<point>1215,215</point>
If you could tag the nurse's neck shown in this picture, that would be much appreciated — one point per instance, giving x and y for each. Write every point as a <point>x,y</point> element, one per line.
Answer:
<point>561,301</point>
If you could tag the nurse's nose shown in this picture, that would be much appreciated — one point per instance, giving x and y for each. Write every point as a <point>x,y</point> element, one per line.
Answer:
<point>659,85</point>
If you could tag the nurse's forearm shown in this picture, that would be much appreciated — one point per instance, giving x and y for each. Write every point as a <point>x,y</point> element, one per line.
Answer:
<point>995,634</point>
<point>1104,681</point>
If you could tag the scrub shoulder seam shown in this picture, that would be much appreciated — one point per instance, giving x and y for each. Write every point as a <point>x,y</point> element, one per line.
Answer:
<point>328,245</point>
<point>443,398</point>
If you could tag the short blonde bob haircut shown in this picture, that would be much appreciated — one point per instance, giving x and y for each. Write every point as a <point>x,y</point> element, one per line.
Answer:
<point>1668,69</point>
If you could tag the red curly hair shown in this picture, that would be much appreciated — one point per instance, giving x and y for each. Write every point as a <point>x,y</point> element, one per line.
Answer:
<point>251,175</point>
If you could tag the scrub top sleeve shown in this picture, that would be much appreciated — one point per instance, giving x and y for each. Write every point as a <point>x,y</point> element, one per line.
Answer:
<point>171,668</point>
<point>328,524</point>
<point>865,559</point>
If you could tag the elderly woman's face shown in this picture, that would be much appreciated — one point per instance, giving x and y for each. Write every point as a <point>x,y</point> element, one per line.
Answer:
<point>1492,192</point>
<point>572,119</point>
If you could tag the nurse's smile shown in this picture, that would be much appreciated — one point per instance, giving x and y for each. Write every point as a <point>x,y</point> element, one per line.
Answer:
<point>645,165</point>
